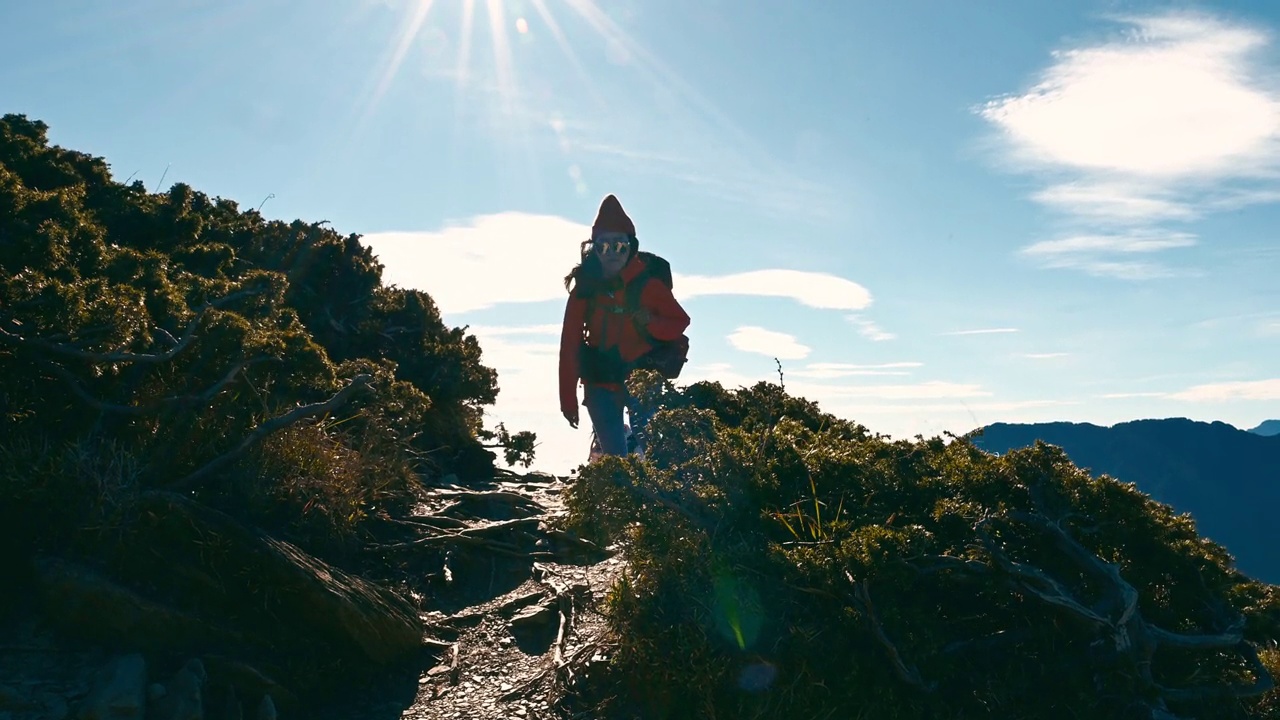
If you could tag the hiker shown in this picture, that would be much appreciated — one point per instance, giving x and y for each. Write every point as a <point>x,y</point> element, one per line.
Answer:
<point>620,316</point>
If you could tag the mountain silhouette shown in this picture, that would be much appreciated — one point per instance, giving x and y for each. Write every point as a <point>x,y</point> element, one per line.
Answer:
<point>1228,479</point>
<point>1268,428</point>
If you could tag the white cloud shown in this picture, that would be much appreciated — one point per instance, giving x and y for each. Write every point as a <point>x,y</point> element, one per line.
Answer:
<point>984,331</point>
<point>1230,391</point>
<point>816,290</point>
<point>500,331</point>
<point>1044,356</point>
<point>769,343</point>
<point>516,257</point>
<point>869,329</point>
<point>1174,119</point>
<point>504,258</point>
<point>1177,98</point>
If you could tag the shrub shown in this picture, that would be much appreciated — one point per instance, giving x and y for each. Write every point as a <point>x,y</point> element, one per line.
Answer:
<point>787,563</point>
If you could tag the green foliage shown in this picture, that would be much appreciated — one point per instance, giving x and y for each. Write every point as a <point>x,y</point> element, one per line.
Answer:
<point>782,558</point>
<point>168,327</point>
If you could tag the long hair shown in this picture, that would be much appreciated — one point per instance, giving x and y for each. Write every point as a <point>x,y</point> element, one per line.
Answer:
<point>587,277</point>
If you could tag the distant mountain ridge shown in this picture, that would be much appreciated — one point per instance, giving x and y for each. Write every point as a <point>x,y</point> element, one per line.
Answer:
<point>1228,479</point>
<point>1268,428</point>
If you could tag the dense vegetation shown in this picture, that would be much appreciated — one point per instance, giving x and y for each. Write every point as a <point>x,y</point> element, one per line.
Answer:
<point>786,563</point>
<point>1223,476</point>
<point>173,341</point>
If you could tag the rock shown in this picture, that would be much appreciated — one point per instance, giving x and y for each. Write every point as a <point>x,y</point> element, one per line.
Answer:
<point>277,595</point>
<point>232,710</point>
<point>85,604</point>
<point>56,708</point>
<point>185,697</point>
<point>247,681</point>
<point>10,698</point>
<point>534,616</point>
<point>266,709</point>
<point>120,693</point>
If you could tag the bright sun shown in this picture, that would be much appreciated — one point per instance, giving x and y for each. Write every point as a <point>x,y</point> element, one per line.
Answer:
<point>416,13</point>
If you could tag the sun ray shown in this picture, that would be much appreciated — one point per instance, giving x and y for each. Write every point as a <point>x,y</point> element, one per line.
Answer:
<point>504,69</point>
<point>556,32</point>
<point>464,43</point>
<point>662,76</point>
<point>502,55</point>
<point>408,33</point>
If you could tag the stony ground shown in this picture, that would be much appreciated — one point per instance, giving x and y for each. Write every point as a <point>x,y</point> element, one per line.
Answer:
<point>511,605</point>
<point>515,619</point>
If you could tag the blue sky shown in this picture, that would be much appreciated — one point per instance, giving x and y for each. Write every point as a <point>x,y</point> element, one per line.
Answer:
<point>935,215</point>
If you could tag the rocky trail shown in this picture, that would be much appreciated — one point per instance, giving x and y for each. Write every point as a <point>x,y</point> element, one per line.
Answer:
<point>510,604</point>
<point>514,620</point>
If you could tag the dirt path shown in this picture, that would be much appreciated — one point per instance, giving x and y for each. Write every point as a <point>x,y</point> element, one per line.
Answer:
<point>513,607</point>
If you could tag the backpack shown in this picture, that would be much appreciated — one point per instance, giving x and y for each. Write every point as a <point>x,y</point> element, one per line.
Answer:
<point>667,357</point>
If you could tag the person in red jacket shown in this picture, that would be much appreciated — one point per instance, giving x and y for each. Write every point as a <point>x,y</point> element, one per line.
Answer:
<point>597,312</point>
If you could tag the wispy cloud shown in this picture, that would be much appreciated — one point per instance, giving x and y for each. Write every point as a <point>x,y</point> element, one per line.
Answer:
<point>1109,244</point>
<point>768,342</point>
<point>869,329</point>
<point>1230,391</point>
<point>1218,392</point>
<point>1115,201</point>
<point>829,371</point>
<point>1097,254</point>
<point>983,331</point>
<point>1171,120</point>
<point>522,258</point>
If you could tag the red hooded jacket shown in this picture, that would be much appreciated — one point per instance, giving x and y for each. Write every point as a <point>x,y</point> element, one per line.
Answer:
<point>667,321</point>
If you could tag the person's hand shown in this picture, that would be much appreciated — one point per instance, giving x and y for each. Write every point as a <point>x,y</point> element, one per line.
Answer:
<point>572,417</point>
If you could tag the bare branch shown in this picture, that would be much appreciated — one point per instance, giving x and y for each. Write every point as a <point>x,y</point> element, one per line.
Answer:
<point>862,598</point>
<point>1037,581</point>
<point>269,427</point>
<point>1132,634</point>
<point>1227,639</point>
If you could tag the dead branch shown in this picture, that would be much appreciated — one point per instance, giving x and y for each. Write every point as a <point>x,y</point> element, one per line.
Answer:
<point>580,543</point>
<point>862,598</point>
<point>1118,614</point>
<point>429,522</point>
<point>69,351</point>
<point>471,533</point>
<point>1036,581</point>
<point>454,667</point>
<point>269,427</point>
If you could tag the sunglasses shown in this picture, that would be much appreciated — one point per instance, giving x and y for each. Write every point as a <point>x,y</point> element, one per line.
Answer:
<point>606,247</point>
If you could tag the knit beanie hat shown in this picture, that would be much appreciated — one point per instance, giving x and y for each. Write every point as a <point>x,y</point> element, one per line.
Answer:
<point>612,218</point>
